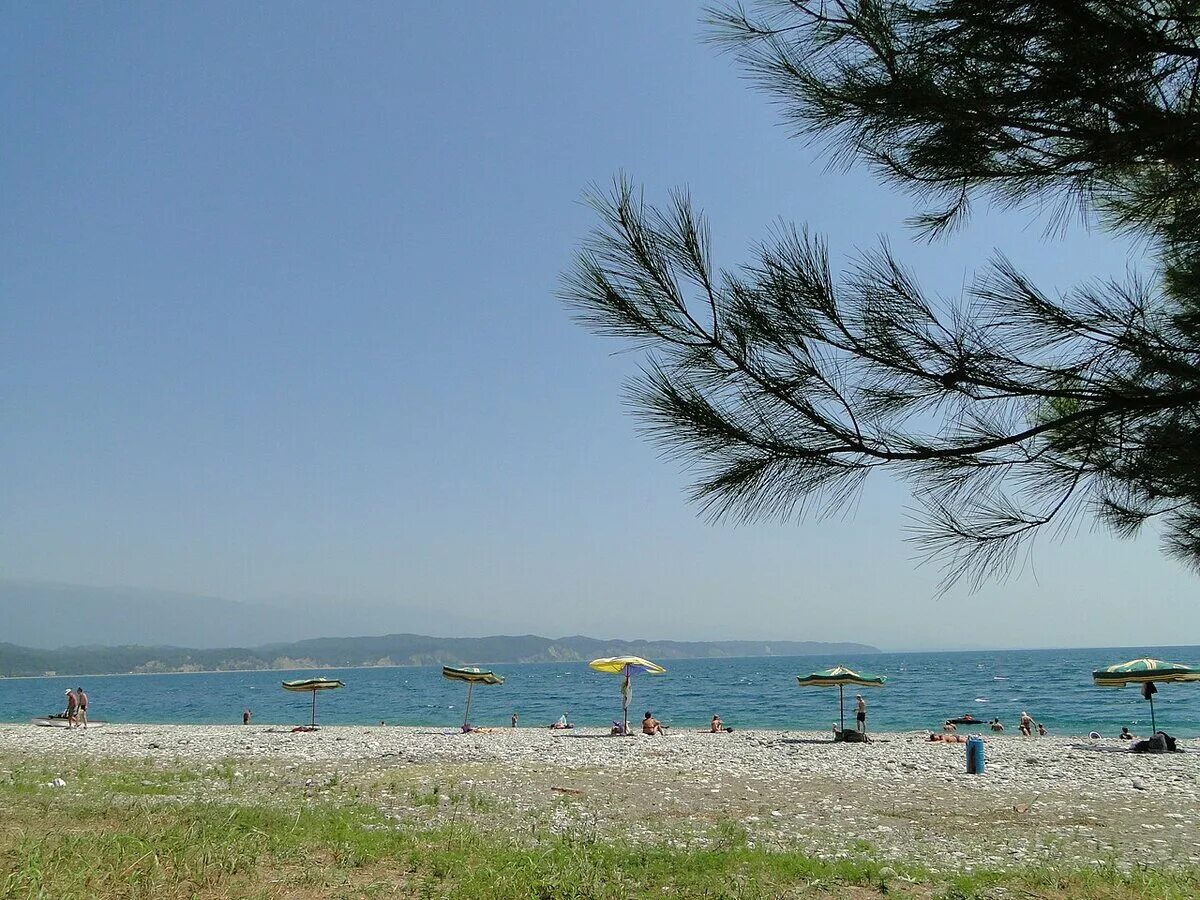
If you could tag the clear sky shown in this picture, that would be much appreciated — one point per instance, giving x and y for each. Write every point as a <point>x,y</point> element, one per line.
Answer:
<point>277,321</point>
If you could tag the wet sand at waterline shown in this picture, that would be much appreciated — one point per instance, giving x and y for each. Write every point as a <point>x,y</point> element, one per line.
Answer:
<point>1057,800</point>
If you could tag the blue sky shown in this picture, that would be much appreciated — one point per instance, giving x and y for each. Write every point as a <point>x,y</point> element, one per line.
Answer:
<point>277,321</point>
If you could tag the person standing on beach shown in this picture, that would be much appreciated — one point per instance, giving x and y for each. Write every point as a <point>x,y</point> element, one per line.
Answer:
<point>72,706</point>
<point>81,700</point>
<point>862,714</point>
<point>514,720</point>
<point>246,715</point>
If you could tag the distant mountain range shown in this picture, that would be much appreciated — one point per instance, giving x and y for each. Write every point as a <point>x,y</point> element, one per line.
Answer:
<point>47,615</point>
<point>387,650</point>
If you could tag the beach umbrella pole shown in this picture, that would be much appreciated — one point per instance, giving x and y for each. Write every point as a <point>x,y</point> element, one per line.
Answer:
<point>626,698</point>
<point>467,712</point>
<point>842,705</point>
<point>1153,724</point>
<point>314,710</point>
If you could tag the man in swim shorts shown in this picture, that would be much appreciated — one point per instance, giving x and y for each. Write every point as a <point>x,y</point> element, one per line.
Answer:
<point>861,714</point>
<point>72,707</point>
<point>81,701</point>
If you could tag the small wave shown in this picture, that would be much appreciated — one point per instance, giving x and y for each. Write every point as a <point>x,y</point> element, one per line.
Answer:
<point>999,678</point>
<point>981,699</point>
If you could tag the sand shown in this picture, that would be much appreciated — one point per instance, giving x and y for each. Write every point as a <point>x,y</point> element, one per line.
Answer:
<point>1041,800</point>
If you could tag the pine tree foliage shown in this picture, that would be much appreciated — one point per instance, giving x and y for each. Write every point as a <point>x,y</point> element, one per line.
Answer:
<point>784,383</point>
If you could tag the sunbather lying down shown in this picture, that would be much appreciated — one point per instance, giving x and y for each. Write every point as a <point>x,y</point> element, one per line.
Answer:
<point>562,722</point>
<point>947,738</point>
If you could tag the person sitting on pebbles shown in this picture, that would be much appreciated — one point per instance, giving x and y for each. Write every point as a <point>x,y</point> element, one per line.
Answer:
<point>1126,734</point>
<point>562,722</point>
<point>651,725</point>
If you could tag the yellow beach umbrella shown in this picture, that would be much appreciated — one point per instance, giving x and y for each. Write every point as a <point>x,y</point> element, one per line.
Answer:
<point>628,666</point>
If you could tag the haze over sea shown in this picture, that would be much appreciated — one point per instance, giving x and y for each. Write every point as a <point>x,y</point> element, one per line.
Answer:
<point>923,690</point>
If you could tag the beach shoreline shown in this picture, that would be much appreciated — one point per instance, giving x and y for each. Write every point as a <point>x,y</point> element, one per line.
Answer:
<point>1041,799</point>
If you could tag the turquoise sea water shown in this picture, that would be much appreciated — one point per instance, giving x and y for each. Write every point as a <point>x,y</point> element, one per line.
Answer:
<point>923,689</point>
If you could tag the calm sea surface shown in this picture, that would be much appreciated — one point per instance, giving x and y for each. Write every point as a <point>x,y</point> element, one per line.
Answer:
<point>923,689</point>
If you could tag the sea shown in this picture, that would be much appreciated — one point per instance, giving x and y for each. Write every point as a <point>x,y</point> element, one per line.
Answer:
<point>922,690</point>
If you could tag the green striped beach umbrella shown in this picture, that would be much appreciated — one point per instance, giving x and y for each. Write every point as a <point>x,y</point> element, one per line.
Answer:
<point>1145,672</point>
<point>839,677</point>
<point>472,676</point>
<point>313,685</point>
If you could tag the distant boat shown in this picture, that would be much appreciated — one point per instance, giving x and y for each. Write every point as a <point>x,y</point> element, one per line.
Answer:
<point>58,720</point>
<point>966,720</point>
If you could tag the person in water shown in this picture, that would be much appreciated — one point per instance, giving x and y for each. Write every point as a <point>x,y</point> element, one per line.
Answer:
<point>996,725</point>
<point>1027,724</point>
<point>1041,729</point>
<point>861,714</point>
<point>651,725</point>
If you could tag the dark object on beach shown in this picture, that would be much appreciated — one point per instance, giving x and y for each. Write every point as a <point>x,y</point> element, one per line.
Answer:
<point>1159,742</point>
<point>853,736</point>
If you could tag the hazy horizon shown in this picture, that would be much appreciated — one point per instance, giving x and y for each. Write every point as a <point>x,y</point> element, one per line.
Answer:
<point>11,588</point>
<point>280,327</point>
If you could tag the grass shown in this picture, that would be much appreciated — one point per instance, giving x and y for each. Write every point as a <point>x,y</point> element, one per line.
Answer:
<point>141,831</point>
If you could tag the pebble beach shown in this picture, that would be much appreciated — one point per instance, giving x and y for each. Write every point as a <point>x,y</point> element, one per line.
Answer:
<point>1041,800</point>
